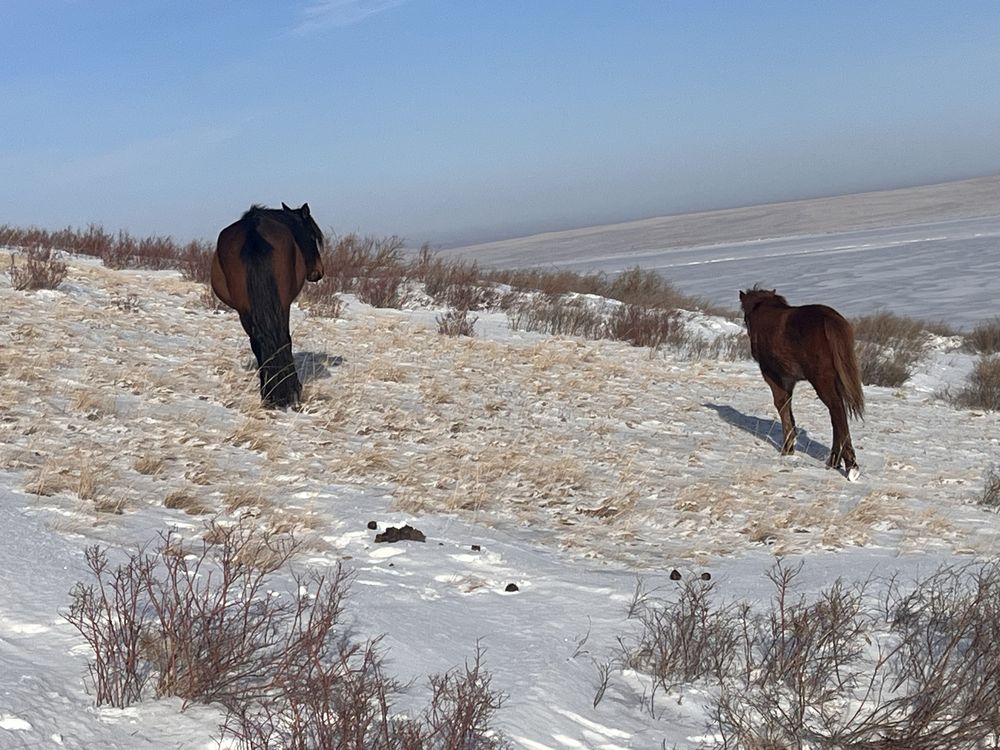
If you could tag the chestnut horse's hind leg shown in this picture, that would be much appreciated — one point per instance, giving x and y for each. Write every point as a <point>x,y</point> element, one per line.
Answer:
<point>783,403</point>
<point>842,450</point>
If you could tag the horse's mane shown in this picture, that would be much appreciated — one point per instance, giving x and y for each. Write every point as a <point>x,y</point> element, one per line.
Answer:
<point>755,296</point>
<point>255,210</point>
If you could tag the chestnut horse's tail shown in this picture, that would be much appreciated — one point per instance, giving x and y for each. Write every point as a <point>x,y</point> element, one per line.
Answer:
<point>840,339</point>
<point>279,383</point>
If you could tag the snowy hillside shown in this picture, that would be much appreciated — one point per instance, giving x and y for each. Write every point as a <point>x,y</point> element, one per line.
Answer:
<point>576,467</point>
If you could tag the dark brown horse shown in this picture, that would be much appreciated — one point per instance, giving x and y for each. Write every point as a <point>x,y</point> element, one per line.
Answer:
<point>814,343</point>
<point>260,265</point>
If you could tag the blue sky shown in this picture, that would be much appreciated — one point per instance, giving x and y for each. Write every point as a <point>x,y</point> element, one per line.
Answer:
<point>456,120</point>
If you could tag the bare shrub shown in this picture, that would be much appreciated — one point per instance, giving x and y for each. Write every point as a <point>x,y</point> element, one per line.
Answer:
<point>551,283</point>
<point>990,496</point>
<point>462,707</point>
<point>796,664</point>
<point>454,283</point>
<point>205,625</point>
<point>120,251</point>
<point>641,326</point>
<point>195,261</point>
<point>682,641</point>
<point>634,286</point>
<point>321,302</point>
<point>344,698</point>
<point>205,620</point>
<point>982,388</point>
<point>889,347</point>
<point>558,316</point>
<point>887,328</point>
<point>93,241</point>
<point>984,338</point>
<point>111,616</point>
<point>372,268</point>
<point>910,667</point>
<point>330,696</point>
<point>456,323</point>
<point>884,366</point>
<point>645,288</point>
<point>39,268</point>
<point>153,253</point>
<point>385,289</point>
<point>732,346</point>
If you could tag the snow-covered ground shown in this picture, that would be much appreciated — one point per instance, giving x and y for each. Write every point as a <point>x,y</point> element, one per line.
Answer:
<point>576,466</point>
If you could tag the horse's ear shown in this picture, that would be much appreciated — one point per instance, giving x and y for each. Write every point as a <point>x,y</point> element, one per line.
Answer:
<point>742,295</point>
<point>304,211</point>
<point>284,206</point>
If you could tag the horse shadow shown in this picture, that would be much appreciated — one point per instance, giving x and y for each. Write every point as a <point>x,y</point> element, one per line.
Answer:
<point>315,365</point>
<point>769,430</point>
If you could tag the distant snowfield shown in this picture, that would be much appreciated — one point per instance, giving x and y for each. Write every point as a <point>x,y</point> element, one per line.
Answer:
<point>938,272</point>
<point>577,466</point>
<point>928,252</point>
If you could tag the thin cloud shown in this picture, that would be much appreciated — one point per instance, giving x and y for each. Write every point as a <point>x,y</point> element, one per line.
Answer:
<point>329,14</point>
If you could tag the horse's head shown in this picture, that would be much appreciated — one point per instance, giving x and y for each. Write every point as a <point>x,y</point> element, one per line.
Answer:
<point>309,238</point>
<point>753,298</point>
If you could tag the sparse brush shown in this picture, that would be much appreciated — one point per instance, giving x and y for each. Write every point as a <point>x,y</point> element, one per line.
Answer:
<point>990,496</point>
<point>454,283</point>
<point>984,338</point>
<point>202,625</point>
<point>641,326</point>
<point>982,388</point>
<point>321,302</point>
<point>195,261</point>
<point>634,286</point>
<point>847,668</point>
<point>889,347</point>
<point>457,323</point>
<point>550,283</point>
<point>646,288</point>
<point>558,316</point>
<point>38,268</point>
<point>682,641</point>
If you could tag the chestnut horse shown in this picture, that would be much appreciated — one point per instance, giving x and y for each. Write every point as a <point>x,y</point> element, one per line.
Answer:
<point>261,263</point>
<point>814,343</point>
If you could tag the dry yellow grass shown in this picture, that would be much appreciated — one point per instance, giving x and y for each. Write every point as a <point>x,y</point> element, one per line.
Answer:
<point>609,448</point>
<point>149,463</point>
<point>188,502</point>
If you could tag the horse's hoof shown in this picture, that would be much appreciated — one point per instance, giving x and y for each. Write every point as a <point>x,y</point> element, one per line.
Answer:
<point>853,474</point>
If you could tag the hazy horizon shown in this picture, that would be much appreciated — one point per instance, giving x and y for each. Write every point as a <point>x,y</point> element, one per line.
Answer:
<point>459,123</point>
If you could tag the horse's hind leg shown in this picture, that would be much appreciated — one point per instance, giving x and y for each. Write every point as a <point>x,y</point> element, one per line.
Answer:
<point>842,450</point>
<point>254,344</point>
<point>783,403</point>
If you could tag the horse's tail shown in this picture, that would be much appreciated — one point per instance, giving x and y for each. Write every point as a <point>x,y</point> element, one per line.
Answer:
<point>840,338</point>
<point>279,383</point>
